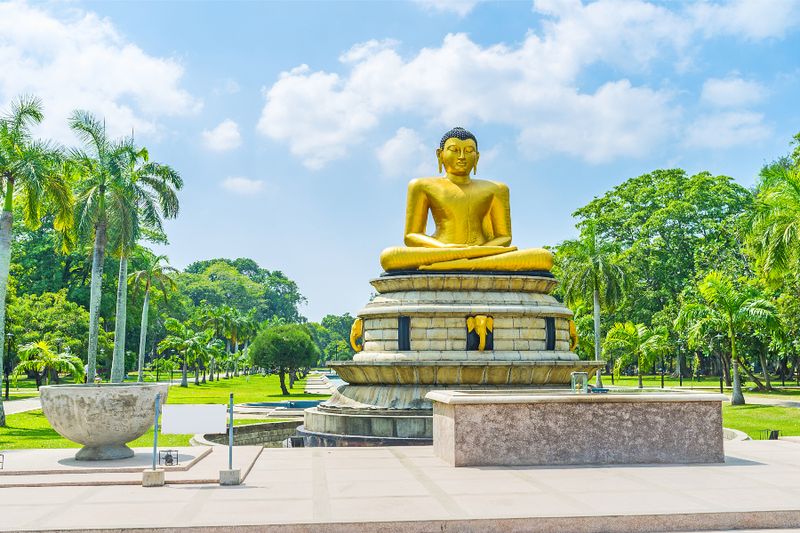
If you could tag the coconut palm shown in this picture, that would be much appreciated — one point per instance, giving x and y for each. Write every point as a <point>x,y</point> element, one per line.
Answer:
<point>30,173</point>
<point>591,272</point>
<point>153,188</point>
<point>39,357</point>
<point>638,343</point>
<point>191,345</point>
<point>775,219</point>
<point>727,309</point>
<point>104,203</point>
<point>156,273</point>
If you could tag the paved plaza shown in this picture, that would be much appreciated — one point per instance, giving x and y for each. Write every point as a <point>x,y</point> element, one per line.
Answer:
<point>408,489</point>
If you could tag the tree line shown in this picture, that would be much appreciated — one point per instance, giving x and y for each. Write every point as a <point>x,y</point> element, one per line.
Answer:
<point>77,221</point>
<point>691,274</point>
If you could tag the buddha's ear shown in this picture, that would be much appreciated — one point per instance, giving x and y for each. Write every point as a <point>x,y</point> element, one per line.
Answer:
<point>439,159</point>
<point>475,168</point>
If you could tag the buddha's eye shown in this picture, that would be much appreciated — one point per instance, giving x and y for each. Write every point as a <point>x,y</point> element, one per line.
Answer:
<point>452,148</point>
<point>469,149</point>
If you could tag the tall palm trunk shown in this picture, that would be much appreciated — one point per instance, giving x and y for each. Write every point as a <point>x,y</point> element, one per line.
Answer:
<point>639,370</point>
<point>118,361</point>
<point>6,224</point>
<point>184,377</point>
<point>143,334</point>
<point>599,380</point>
<point>98,257</point>
<point>762,358</point>
<point>737,398</point>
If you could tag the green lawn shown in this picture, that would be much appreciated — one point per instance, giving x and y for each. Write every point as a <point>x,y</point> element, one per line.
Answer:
<point>31,430</point>
<point>753,418</point>
<point>245,389</point>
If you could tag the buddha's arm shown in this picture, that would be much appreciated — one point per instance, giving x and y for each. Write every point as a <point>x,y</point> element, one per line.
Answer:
<point>500,215</point>
<point>417,218</point>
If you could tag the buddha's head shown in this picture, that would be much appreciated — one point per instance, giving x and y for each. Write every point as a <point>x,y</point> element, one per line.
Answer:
<point>458,152</point>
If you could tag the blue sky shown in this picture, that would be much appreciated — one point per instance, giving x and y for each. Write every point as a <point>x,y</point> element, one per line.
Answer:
<point>297,125</point>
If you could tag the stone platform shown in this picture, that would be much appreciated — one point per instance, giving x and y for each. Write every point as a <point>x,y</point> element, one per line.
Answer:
<point>532,428</point>
<point>408,489</point>
<point>428,331</point>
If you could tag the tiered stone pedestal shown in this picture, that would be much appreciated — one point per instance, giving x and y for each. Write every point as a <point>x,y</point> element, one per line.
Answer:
<point>416,340</point>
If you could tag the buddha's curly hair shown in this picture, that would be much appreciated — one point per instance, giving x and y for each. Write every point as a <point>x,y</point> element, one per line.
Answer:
<point>458,133</point>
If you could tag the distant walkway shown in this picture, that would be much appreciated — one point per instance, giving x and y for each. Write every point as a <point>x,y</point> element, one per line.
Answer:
<point>14,407</point>
<point>779,402</point>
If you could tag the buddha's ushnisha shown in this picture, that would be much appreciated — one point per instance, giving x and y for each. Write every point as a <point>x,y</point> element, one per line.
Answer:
<point>472,217</point>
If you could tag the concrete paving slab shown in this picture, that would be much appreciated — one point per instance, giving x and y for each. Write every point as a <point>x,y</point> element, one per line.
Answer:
<point>62,460</point>
<point>53,468</point>
<point>408,489</point>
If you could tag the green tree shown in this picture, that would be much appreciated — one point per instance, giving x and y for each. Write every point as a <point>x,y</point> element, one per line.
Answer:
<point>775,220</point>
<point>104,203</point>
<point>727,309</point>
<point>41,359</point>
<point>153,188</point>
<point>156,273</point>
<point>638,343</point>
<point>591,272</point>
<point>29,173</point>
<point>190,345</point>
<point>285,349</point>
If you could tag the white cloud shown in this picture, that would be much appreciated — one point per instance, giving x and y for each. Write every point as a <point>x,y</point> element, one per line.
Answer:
<point>77,59</point>
<point>727,129</point>
<point>462,8</point>
<point>405,155</point>
<point>752,19</point>
<point>241,185</point>
<point>533,87</point>
<point>224,137</point>
<point>732,92</point>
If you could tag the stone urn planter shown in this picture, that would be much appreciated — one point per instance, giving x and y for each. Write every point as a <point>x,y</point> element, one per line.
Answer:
<point>103,418</point>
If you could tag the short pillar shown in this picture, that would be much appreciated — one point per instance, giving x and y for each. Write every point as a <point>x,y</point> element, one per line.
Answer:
<point>230,477</point>
<point>153,478</point>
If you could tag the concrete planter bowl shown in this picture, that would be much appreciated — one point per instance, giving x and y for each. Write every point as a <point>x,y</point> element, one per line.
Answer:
<point>103,418</point>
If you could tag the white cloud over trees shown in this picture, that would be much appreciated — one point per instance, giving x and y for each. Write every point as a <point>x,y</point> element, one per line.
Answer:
<point>76,59</point>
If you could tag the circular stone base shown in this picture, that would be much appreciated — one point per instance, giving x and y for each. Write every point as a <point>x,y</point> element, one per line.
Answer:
<point>104,453</point>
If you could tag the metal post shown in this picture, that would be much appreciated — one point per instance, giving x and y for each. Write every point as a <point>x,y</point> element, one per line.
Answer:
<point>230,435</point>
<point>155,430</point>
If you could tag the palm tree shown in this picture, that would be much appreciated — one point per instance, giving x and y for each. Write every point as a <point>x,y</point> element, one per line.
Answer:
<point>30,173</point>
<point>104,203</point>
<point>190,344</point>
<point>155,273</point>
<point>639,344</point>
<point>775,219</point>
<point>40,358</point>
<point>726,309</point>
<point>153,188</point>
<point>591,272</point>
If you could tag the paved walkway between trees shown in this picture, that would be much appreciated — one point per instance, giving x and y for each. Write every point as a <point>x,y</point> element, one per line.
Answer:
<point>21,406</point>
<point>407,489</point>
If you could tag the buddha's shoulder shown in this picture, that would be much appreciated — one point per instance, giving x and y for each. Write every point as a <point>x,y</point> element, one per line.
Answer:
<point>426,183</point>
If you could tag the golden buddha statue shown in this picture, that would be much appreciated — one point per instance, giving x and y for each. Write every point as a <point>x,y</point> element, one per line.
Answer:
<point>472,217</point>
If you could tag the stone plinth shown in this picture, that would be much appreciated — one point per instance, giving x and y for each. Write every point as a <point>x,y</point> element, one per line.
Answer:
<point>477,428</point>
<point>417,338</point>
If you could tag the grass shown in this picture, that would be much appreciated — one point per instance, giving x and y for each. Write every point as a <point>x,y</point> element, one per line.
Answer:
<point>31,430</point>
<point>245,389</point>
<point>753,418</point>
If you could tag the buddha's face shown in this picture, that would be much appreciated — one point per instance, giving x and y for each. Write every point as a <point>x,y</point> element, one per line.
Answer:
<point>458,157</point>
